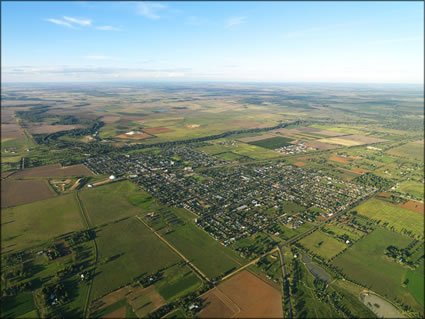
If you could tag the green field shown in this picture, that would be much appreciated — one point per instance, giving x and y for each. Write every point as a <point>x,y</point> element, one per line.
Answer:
<point>241,149</point>
<point>273,142</point>
<point>32,224</point>
<point>206,253</point>
<point>365,262</point>
<point>414,188</point>
<point>178,281</point>
<point>126,250</point>
<point>416,283</point>
<point>323,244</point>
<point>16,306</point>
<point>401,219</point>
<point>340,230</point>
<point>112,201</point>
<point>410,151</point>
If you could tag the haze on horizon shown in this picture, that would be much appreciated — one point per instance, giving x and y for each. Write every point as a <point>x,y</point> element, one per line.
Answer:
<point>364,42</point>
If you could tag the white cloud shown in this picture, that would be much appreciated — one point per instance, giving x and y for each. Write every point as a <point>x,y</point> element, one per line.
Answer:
<point>107,28</point>
<point>234,21</point>
<point>60,22</point>
<point>150,10</point>
<point>82,22</point>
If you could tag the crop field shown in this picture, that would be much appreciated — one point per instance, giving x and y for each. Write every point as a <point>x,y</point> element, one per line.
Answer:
<point>365,262</point>
<point>256,138</point>
<point>55,170</point>
<point>243,295</point>
<point>340,141</point>
<point>320,146</point>
<point>402,219</point>
<point>113,201</point>
<point>273,142</point>
<point>46,219</point>
<point>323,244</point>
<point>411,151</point>
<point>363,139</point>
<point>411,187</point>
<point>177,281</point>
<point>202,250</point>
<point>127,249</point>
<point>43,128</point>
<point>17,192</point>
<point>11,131</point>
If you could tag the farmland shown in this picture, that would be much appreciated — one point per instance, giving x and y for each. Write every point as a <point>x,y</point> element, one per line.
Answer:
<point>366,263</point>
<point>126,256</point>
<point>46,219</point>
<point>17,192</point>
<point>392,216</point>
<point>411,151</point>
<point>272,143</point>
<point>240,296</point>
<point>322,244</point>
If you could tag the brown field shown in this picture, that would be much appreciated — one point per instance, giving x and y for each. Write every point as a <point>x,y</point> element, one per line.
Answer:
<point>11,131</point>
<point>242,296</point>
<point>136,136</point>
<point>248,124</point>
<point>142,300</point>
<point>119,313</point>
<point>363,139</point>
<point>412,205</point>
<point>157,130</point>
<point>256,138</point>
<point>18,192</point>
<point>321,146</point>
<point>5,175</point>
<point>110,119</point>
<point>46,128</point>
<point>359,170</point>
<point>339,159</point>
<point>7,116</point>
<point>385,195</point>
<point>299,164</point>
<point>54,170</point>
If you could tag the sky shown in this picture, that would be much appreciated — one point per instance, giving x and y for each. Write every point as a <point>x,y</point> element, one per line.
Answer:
<point>82,41</point>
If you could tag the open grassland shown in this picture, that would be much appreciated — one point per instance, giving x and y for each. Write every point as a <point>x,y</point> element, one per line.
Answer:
<point>272,143</point>
<point>242,149</point>
<point>114,200</point>
<point>18,192</point>
<point>177,281</point>
<point>411,187</point>
<point>323,244</point>
<point>127,249</point>
<point>31,224</point>
<point>416,283</point>
<point>412,151</point>
<point>55,170</point>
<point>401,219</point>
<point>243,295</point>
<point>365,262</point>
<point>202,250</point>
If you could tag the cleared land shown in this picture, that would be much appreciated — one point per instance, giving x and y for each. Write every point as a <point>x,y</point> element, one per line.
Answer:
<point>242,296</point>
<point>113,201</point>
<point>323,244</point>
<point>55,170</point>
<point>46,128</point>
<point>127,249</point>
<point>45,219</point>
<point>320,146</point>
<point>18,192</point>
<point>365,262</point>
<point>402,219</point>
<point>363,139</point>
<point>410,151</point>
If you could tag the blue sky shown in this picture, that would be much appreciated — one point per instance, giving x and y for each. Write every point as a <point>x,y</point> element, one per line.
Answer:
<point>214,41</point>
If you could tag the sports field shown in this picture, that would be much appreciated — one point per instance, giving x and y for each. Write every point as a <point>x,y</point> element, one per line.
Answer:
<point>127,249</point>
<point>401,219</point>
<point>365,262</point>
<point>32,224</point>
